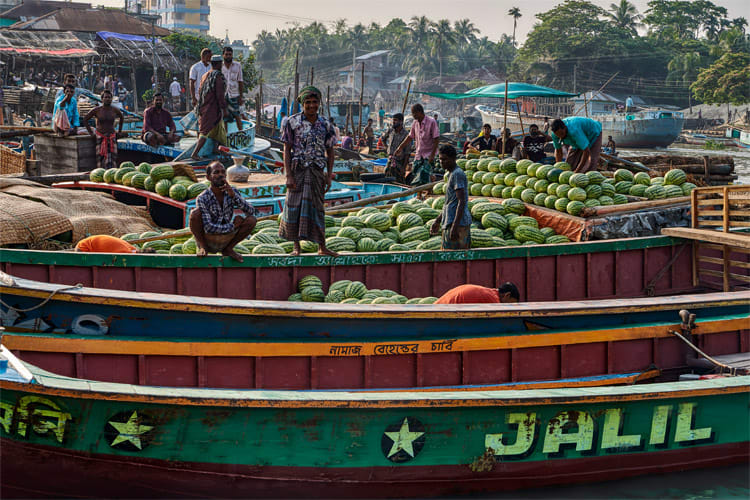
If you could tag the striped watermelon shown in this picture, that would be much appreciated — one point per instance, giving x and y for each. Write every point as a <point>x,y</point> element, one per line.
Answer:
<point>341,244</point>
<point>313,294</point>
<point>540,186</point>
<point>494,166</point>
<point>527,195</point>
<point>419,233</point>
<point>408,220</point>
<point>109,175</point>
<point>127,179</point>
<point>579,180</point>
<point>157,245</point>
<point>287,246</point>
<point>149,184</point>
<point>144,168</point>
<point>398,247</point>
<point>623,187</point>
<point>334,297</point>
<point>384,244</point>
<point>521,180</point>
<point>487,190</point>
<point>367,211</point>
<point>477,176</point>
<point>308,281</point>
<point>507,193</point>
<point>565,177</point>
<point>687,188</point>
<point>488,178</point>
<point>195,189</point>
<point>177,192</point>
<point>556,239</point>
<point>672,191</point>
<point>355,290</point>
<point>675,177</point>
<point>308,246</point>
<point>295,297</point>
<point>592,202</point>
<point>374,234</point>
<point>499,179</point>
<point>657,181</point>
<point>531,181</point>
<point>655,192</point>
<point>526,233</point>
<point>547,231</point>
<point>329,220</point>
<point>554,175</point>
<point>514,206</point>
<point>563,165</point>
<point>439,188</point>
<point>550,200</point>
<point>265,224</point>
<point>561,204</point>
<point>497,191</point>
<point>608,189</point>
<point>508,165</point>
<point>481,239</point>
<point>353,221</point>
<point>350,301</point>
<point>138,180</point>
<point>638,189</point>
<point>510,179</point>
<point>595,177</point>
<point>129,164</point>
<point>266,249</point>
<point>577,194</point>
<point>379,221</point>
<point>160,172</point>
<point>522,220</point>
<point>623,175</point>
<point>494,220</point>
<point>190,247</point>
<point>480,209</point>
<point>402,208</point>
<point>605,200</point>
<point>517,191</point>
<point>642,178</point>
<point>162,187</point>
<point>575,207</point>
<point>176,248</point>
<point>539,199</point>
<point>562,190</point>
<point>434,243</point>
<point>97,175</point>
<point>476,189</point>
<point>121,173</point>
<point>264,238</point>
<point>366,245</point>
<point>593,191</point>
<point>350,233</point>
<point>339,286</point>
<point>621,199</point>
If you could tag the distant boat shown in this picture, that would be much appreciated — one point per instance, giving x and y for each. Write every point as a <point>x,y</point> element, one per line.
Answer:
<point>642,129</point>
<point>740,137</point>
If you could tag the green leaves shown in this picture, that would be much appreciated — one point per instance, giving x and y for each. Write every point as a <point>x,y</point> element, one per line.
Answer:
<point>725,81</point>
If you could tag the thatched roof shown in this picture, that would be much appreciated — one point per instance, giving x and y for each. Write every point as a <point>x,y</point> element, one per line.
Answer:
<point>61,44</point>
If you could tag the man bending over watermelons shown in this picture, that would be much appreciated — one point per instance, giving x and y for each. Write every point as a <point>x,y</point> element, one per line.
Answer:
<point>215,221</point>
<point>475,294</point>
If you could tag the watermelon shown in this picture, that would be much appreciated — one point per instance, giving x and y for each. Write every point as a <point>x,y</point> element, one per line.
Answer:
<point>476,189</point>
<point>461,162</point>
<point>339,286</point>
<point>499,179</point>
<point>605,200</point>
<point>308,246</point>
<point>494,166</point>
<point>510,179</point>
<point>334,297</point>
<point>366,245</point>
<point>593,191</point>
<point>144,168</point>
<point>488,178</point>
<point>481,239</point>
<point>384,244</point>
<point>531,181</point>
<point>497,191</point>
<point>295,297</point>
<point>128,164</point>
<point>672,191</point>
<point>121,173</point>
<point>574,207</point>
<point>353,221</point>
<point>157,245</point>
<point>379,221</point>
<point>268,249</point>
<point>402,208</point>
<point>508,165</point>
<point>561,204</point>
<point>595,177</point>
<point>130,236</point>
<point>592,202</point>
<point>138,180</point>
<point>264,237</point>
<point>655,192</point>
<point>97,175</point>
<point>494,220</point>
<point>642,178</point>
<point>127,179</point>
<point>486,190</point>
<point>434,243</point>
<point>176,248</point>
<point>577,194</point>
<point>495,232</point>
<point>675,177</point>
<point>479,209</point>
<point>528,195</point>
<point>190,247</point>
<point>355,290</point>
<point>621,199</point>
<point>177,192</point>
<point>520,180</point>
<point>109,175</point>
<point>512,242</point>
<point>419,233</point>
<point>439,188</point>
<point>350,233</point>
<point>562,190</point>
<point>160,172</point>
<point>483,165</point>
<point>531,170</point>
<point>607,189</point>
<point>579,180</point>
<point>516,192</point>
<point>367,211</point>
<point>539,199</point>
<point>507,192</point>
<point>657,181</point>
<point>523,164</point>
<point>540,186</point>
<point>525,234</point>
<point>329,220</point>
<point>341,244</point>
<point>514,206</point>
<point>522,220</point>
<point>637,190</point>
<point>163,186</point>
<point>554,175</point>
<point>550,200</point>
<point>149,184</point>
<point>565,177</point>
<point>547,231</point>
<point>308,281</point>
<point>408,220</point>
<point>623,175</point>
<point>265,224</point>
<point>623,187</point>
<point>313,294</point>
<point>557,239</point>
<point>552,188</point>
<point>687,188</point>
<point>195,189</point>
<point>392,233</point>
<point>373,234</point>
<point>562,165</point>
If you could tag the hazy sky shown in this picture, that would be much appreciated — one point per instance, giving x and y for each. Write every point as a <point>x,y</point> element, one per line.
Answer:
<point>246,18</point>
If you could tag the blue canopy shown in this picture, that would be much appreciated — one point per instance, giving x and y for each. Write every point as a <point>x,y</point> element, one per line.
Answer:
<point>515,90</point>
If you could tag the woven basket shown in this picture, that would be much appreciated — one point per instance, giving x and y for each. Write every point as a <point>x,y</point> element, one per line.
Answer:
<point>25,222</point>
<point>11,162</point>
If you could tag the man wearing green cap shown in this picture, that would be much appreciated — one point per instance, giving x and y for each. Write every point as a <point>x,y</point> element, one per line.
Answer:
<point>308,164</point>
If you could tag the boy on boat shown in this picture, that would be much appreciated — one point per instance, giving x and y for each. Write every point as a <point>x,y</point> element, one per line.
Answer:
<point>475,294</point>
<point>583,136</point>
<point>455,219</point>
<point>105,135</point>
<point>216,226</point>
<point>485,141</point>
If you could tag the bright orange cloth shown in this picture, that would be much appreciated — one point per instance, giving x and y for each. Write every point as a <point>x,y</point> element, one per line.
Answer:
<point>103,243</point>
<point>470,294</point>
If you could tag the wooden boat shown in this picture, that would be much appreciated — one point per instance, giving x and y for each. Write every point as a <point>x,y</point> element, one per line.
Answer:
<point>63,436</point>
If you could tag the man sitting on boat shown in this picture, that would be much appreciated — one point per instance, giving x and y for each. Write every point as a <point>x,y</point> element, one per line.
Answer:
<point>455,219</point>
<point>216,226</point>
<point>105,135</point>
<point>485,141</point>
<point>583,136</point>
<point>610,147</point>
<point>533,145</point>
<point>510,145</point>
<point>156,121</point>
<point>475,294</point>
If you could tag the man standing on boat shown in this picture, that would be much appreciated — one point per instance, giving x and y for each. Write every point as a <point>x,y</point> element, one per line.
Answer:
<point>105,135</point>
<point>629,104</point>
<point>426,134</point>
<point>215,223</point>
<point>174,91</point>
<point>308,140</point>
<point>369,134</point>
<point>232,71</point>
<point>455,219</point>
<point>197,71</point>
<point>392,138</point>
<point>475,294</point>
<point>156,121</point>
<point>583,136</point>
<point>212,108</point>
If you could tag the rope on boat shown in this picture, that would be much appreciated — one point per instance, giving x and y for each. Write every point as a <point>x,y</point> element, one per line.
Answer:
<point>74,287</point>
<point>733,371</point>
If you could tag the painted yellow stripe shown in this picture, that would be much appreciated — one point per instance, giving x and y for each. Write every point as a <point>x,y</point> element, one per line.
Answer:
<point>466,311</point>
<point>365,402</point>
<point>242,349</point>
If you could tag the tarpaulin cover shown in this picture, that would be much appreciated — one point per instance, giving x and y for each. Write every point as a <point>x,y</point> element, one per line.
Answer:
<point>104,35</point>
<point>515,90</point>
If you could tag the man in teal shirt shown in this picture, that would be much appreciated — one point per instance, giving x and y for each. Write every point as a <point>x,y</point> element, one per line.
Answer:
<point>67,103</point>
<point>583,136</point>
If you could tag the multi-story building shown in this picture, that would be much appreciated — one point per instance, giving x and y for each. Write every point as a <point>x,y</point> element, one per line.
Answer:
<point>176,14</point>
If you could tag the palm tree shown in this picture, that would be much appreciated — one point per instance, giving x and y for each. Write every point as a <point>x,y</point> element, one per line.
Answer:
<point>625,15</point>
<point>465,30</point>
<point>442,38</point>
<point>515,13</point>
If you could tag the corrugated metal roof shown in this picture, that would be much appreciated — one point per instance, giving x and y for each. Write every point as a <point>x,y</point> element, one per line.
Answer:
<point>370,55</point>
<point>91,21</point>
<point>30,9</point>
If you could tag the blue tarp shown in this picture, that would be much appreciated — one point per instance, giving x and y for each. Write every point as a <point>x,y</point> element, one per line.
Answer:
<point>104,35</point>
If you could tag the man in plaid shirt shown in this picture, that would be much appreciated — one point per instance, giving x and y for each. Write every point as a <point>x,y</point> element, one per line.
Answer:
<point>214,222</point>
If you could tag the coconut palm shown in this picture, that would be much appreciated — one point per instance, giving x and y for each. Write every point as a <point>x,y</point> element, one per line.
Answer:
<point>515,13</point>
<point>465,31</point>
<point>443,38</point>
<point>625,15</point>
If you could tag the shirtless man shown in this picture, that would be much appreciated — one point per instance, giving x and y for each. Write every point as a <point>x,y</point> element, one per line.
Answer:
<point>106,138</point>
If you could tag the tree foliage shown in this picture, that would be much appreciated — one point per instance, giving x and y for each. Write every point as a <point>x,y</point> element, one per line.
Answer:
<point>726,80</point>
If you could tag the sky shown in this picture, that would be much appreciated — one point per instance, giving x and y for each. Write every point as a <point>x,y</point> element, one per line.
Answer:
<point>246,18</point>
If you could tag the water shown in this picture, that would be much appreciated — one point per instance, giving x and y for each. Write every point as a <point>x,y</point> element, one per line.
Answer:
<point>721,483</point>
<point>741,158</point>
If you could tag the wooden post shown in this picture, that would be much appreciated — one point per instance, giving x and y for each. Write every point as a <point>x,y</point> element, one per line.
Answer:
<point>520,120</point>
<point>296,75</point>
<point>135,90</point>
<point>312,75</point>
<point>725,228</point>
<point>505,118</point>
<point>361,97</point>
<point>406,97</point>
<point>694,224</point>
<point>328,102</point>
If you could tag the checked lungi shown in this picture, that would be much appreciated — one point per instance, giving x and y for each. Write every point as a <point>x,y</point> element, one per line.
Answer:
<point>106,149</point>
<point>304,217</point>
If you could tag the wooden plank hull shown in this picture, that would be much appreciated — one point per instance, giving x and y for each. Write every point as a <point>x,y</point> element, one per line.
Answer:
<point>576,271</point>
<point>103,440</point>
<point>154,339</point>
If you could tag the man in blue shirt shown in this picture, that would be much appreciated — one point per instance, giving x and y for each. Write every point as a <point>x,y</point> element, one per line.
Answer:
<point>583,136</point>
<point>455,219</point>
<point>68,104</point>
<point>629,104</point>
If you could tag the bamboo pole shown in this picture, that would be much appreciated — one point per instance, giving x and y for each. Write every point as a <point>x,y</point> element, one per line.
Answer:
<point>520,120</point>
<point>638,205</point>
<point>312,75</point>
<point>336,209</point>
<point>296,77</point>
<point>505,119</point>
<point>361,99</point>
<point>406,98</point>
<point>328,102</point>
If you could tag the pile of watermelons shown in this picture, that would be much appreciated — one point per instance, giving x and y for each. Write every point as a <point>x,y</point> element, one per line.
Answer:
<point>349,292</point>
<point>159,179</point>
<point>404,226</point>
<point>557,187</point>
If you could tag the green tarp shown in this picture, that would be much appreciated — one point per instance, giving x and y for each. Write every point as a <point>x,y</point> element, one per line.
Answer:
<point>515,90</point>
